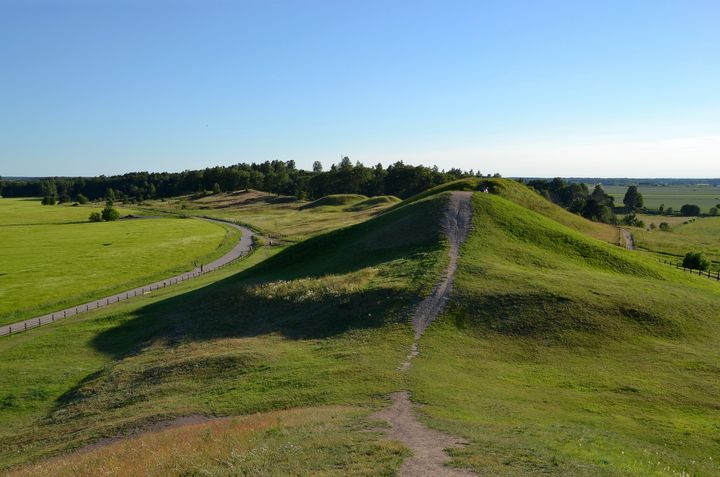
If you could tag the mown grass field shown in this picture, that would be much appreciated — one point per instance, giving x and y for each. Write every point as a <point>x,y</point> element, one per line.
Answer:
<point>705,196</point>
<point>282,218</point>
<point>560,354</point>
<point>52,257</point>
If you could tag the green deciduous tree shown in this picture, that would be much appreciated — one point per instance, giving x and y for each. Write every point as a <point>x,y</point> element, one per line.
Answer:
<point>696,261</point>
<point>109,213</point>
<point>633,199</point>
<point>690,210</point>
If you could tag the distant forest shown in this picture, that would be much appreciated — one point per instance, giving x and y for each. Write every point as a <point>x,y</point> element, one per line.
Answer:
<point>278,177</point>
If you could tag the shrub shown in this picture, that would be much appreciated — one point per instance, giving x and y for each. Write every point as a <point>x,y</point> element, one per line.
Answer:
<point>81,199</point>
<point>690,210</point>
<point>664,226</point>
<point>652,226</point>
<point>95,217</point>
<point>714,210</point>
<point>109,213</point>
<point>696,260</point>
<point>49,200</point>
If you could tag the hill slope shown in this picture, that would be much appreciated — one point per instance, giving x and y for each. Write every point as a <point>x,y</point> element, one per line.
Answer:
<point>559,354</point>
<point>564,355</point>
<point>320,323</point>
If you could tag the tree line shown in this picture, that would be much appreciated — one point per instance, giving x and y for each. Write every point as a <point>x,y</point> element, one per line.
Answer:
<point>278,177</point>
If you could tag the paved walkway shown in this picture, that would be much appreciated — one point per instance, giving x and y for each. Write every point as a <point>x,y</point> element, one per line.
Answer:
<point>240,249</point>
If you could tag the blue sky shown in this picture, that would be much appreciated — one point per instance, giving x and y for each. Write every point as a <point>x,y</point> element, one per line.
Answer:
<point>524,88</point>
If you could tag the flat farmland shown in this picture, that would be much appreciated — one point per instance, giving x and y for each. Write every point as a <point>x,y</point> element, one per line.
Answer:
<point>52,257</point>
<point>704,196</point>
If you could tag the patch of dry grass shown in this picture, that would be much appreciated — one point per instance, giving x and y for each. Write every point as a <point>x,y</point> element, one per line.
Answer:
<point>310,441</point>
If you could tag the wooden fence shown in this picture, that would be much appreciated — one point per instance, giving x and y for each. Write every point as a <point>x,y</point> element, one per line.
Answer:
<point>679,266</point>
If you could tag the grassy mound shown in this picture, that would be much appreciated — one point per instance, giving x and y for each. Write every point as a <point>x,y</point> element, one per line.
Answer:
<point>560,354</point>
<point>373,202</point>
<point>335,200</point>
<point>525,197</point>
<point>323,322</point>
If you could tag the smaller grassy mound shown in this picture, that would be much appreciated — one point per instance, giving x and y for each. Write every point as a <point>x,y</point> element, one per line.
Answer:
<point>335,200</point>
<point>373,202</point>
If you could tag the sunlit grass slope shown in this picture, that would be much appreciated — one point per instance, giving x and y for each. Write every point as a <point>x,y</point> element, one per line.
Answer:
<point>52,262</point>
<point>527,198</point>
<point>322,323</point>
<point>564,355</point>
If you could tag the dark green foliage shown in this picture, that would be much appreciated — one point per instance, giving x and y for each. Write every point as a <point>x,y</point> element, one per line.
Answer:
<point>690,210</point>
<point>576,198</point>
<point>279,177</point>
<point>95,217</point>
<point>664,226</point>
<point>216,188</point>
<point>633,199</point>
<point>109,213</point>
<point>714,211</point>
<point>49,200</point>
<point>696,261</point>
<point>81,199</point>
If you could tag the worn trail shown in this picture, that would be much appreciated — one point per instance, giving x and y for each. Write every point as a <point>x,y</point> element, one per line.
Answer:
<point>427,445</point>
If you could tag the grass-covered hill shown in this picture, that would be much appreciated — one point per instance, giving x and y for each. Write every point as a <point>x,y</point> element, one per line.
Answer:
<point>564,355</point>
<point>559,353</point>
<point>321,323</point>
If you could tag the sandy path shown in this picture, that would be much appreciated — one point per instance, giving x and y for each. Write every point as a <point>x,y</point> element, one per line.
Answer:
<point>243,246</point>
<point>629,241</point>
<point>427,445</point>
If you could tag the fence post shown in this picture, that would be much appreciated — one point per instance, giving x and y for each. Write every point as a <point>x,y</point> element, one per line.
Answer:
<point>26,326</point>
<point>39,322</point>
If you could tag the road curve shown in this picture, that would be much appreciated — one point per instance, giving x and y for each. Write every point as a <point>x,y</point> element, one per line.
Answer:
<point>243,246</point>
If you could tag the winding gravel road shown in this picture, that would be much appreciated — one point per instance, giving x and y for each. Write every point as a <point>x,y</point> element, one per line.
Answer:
<point>243,246</point>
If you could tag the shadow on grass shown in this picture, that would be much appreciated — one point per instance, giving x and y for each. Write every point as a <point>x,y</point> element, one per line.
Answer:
<point>234,307</point>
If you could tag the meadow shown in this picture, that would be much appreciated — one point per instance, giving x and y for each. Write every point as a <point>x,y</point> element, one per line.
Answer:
<point>52,257</point>
<point>675,196</point>
<point>560,353</point>
<point>685,235</point>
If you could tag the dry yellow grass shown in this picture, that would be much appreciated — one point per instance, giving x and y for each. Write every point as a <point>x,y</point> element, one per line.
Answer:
<point>291,442</point>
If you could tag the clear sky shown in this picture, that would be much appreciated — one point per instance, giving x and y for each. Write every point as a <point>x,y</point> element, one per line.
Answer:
<point>523,88</point>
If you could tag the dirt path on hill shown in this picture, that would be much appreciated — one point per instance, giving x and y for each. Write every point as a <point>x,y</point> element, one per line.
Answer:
<point>628,237</point>
<point>427,445</point>
<point>243,247</point>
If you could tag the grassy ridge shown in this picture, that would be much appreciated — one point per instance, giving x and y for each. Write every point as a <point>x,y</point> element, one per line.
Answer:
<point>563,355</point>
<point>279,217</point>
<point>322,323</point>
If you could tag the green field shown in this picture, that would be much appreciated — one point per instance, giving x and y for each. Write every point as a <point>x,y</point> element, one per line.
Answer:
<point>701,234</point>
<point>559,354</point>
<point>52,257</point>
<point>704,196</point>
